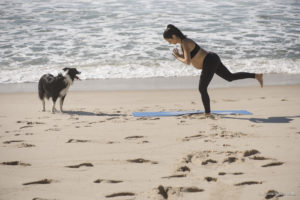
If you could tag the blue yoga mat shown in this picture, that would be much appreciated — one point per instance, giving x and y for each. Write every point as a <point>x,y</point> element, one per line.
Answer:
<point>178,113</point>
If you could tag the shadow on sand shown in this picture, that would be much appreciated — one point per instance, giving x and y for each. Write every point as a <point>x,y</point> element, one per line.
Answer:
<point>85,113</point>
<point>278,120</point>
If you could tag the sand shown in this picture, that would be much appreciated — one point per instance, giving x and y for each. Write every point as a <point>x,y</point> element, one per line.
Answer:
<point>98,150</point>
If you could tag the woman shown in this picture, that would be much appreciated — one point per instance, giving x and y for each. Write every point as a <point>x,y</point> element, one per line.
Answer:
<point>209,62</point>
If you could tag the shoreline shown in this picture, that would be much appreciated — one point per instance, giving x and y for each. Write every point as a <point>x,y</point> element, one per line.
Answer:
<point>156,83</point>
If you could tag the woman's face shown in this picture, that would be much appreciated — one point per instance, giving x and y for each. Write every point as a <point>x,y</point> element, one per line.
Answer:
<point>172,40</point>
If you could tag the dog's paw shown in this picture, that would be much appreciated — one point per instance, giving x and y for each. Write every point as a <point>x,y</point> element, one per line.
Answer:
<point>54,110</point>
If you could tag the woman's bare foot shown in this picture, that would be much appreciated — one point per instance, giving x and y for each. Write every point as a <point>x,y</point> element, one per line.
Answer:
<point>206,115</point>
<point>259,77</point>
<point>210,116</point>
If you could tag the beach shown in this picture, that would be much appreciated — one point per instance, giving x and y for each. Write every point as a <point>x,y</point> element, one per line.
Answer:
<point>96,149</point>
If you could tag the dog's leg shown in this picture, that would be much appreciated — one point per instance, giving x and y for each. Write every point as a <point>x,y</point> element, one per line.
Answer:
<point>53,108</point>
<point>61,103</point>
<point>54,101</point>
<point>43,101</point>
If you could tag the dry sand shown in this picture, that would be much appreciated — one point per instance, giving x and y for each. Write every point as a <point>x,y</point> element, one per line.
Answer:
<point>98,150</point>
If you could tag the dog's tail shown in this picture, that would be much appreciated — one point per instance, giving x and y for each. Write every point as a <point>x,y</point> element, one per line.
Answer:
<point>41,90</point>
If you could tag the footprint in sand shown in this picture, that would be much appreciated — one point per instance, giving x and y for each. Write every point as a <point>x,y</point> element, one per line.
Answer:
<point>24,145</point>
<point>235,173</point>
<point>248,183</point>
<point>81,165</point>
<point>144,142</point>
<point>194,137</point>
<point>182,122</point>
<point>77,141</point>
<point>142,118</point>
<point>208,161</point>
<point>250,152</point>
<point>112,118</point>
<point>230,159</point>
<point>163,191</point>
<point>166,192</point>
<point>184,169</point>
<point>141,160</point>
<point>134,137</point>
<point>210,179</point>
<point>231,134</point>
<point>22,127</point>
<point>188,158</point>
<point>29,124</point>
<point>155,118</point>
<point>90,123</point>
<point>212,141</point>
<point>44,181</point>
<point>108,181</point>
<point>191,189</point>
<point>216,127</point>
<point>12,141</point>
<point>223,133</point>
<point>148,118</point>
<point>175,176</point>
<point>259,158</point>
<point>273,164</point>
<point>52,129</point>
<point>120,194</point>
<point>112,142</point>
<point>273,194</point>
<point>15,163</point>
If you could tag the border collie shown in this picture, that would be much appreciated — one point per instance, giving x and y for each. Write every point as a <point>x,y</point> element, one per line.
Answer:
<point>56,86</point>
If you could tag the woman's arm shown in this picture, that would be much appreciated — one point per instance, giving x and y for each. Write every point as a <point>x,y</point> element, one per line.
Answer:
<point>176,53</point>
<point>185,58</point>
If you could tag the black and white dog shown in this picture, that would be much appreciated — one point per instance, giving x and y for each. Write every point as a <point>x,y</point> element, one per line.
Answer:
<point>56,86</point>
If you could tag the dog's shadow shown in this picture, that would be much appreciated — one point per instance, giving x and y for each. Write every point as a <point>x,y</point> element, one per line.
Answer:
<point>86,113</point>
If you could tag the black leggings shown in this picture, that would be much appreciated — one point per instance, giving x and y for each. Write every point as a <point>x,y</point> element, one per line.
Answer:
<point>211,65</point>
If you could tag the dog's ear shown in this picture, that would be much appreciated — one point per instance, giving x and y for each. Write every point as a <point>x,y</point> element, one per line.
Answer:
<point>66,68</point>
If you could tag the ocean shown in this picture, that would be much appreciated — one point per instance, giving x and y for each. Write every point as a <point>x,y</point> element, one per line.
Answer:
<point>107,39</point>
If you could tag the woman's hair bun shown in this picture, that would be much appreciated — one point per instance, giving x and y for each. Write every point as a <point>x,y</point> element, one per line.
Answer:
<point>173,30</point>
<point>170,26</point>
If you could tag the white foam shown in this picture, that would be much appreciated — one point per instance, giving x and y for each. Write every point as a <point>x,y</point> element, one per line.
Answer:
<point>120,39</point>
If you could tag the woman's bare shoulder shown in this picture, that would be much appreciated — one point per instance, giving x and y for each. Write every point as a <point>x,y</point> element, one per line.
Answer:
<point>188,41</point>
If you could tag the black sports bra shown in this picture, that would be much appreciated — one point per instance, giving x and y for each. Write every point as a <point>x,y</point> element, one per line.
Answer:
<point>194,51</point>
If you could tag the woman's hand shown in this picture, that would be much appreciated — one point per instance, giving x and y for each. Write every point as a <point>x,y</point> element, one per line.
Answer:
<point>175,53</point>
